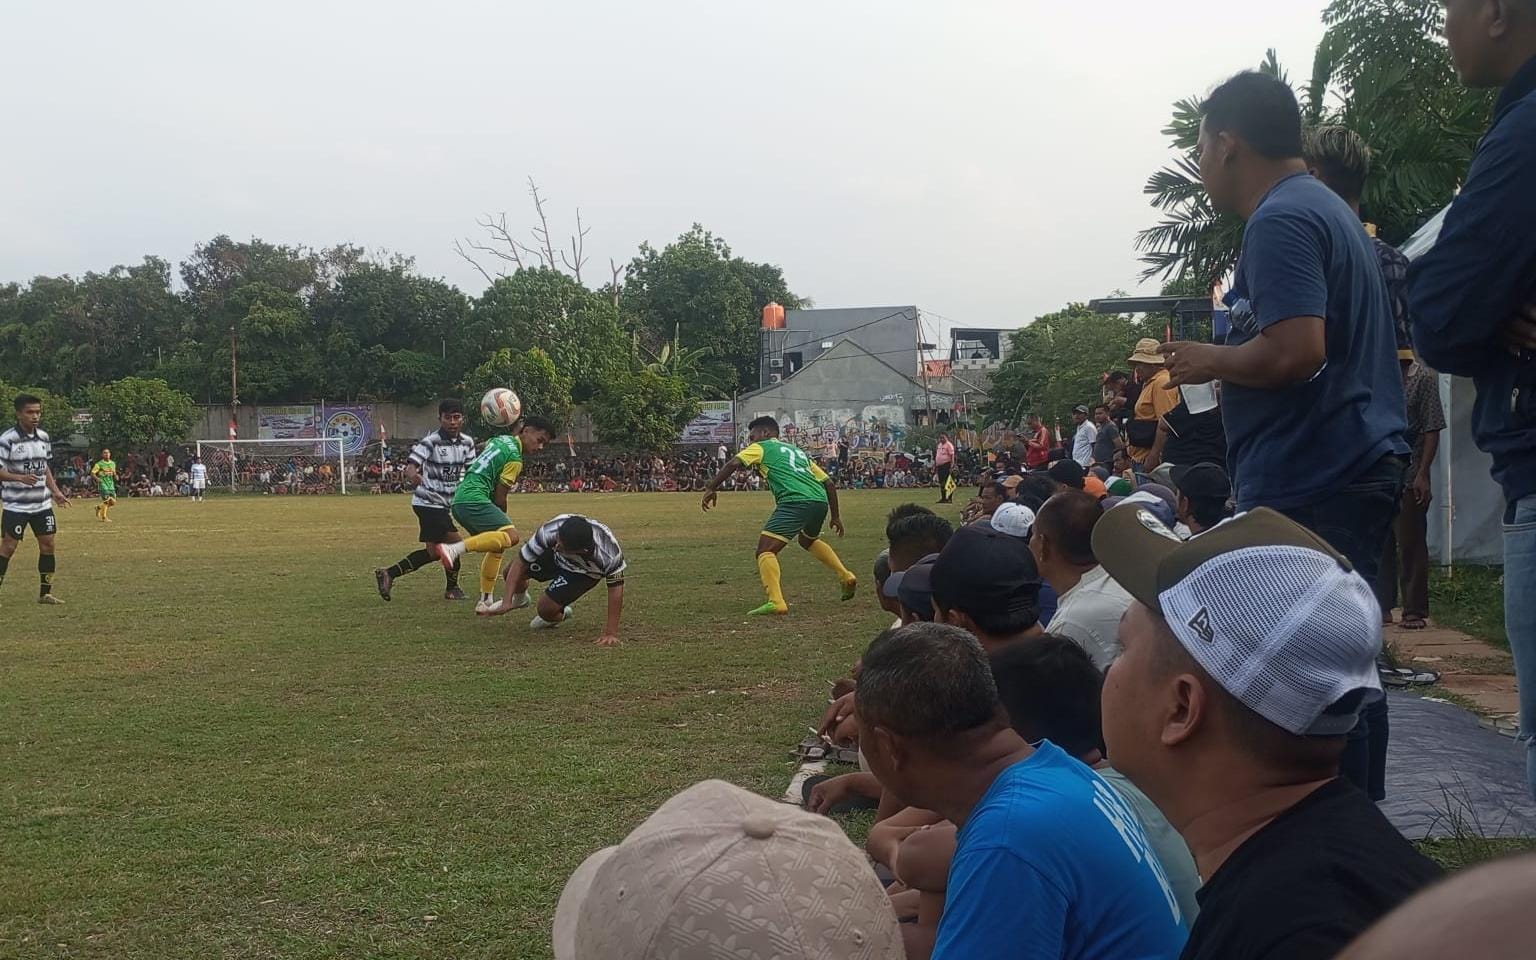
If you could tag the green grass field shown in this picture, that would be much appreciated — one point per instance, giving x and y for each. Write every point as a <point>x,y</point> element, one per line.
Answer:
<point>226,745</point>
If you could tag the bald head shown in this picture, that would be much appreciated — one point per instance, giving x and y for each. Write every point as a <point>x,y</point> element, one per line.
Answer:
<point>1484,912</point>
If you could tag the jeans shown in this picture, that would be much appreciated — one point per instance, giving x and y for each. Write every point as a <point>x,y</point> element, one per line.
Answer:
<point>1356,521</point>
<point>1520,616</point>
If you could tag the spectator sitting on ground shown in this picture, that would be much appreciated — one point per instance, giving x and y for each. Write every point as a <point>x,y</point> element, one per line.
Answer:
<point>986,582</point>
<point>1050,688</point>
<point>1204,491</point>
<point>1069,474</point>
<point>993,495</point>
<point>1089,604</point>
<point>1249,653</point>
<point>913,588</point>
<point>1014,519</point>
<point>890,605</point>
<point>718,871</point>
<point>1049,861</point>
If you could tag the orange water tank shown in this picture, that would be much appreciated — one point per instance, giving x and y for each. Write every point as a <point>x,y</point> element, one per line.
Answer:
<point>773,317</point>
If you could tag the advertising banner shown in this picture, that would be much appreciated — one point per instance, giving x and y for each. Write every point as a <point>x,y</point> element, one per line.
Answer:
<point>714,424</point>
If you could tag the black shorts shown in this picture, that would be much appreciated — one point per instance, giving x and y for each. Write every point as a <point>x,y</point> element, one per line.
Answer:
<point>14,524</point>
<point>564,587</point>
<point>436,524</point>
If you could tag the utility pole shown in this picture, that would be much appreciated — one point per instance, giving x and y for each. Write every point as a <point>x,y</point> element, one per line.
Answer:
<point>922,367</point>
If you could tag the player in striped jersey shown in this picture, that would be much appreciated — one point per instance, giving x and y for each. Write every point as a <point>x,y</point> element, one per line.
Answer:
<point>28,493</point>
<point>571,554</point>
<point>434,467</point>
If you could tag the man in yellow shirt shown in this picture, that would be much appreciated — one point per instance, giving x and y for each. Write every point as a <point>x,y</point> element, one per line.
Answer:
<point>1145,433</point>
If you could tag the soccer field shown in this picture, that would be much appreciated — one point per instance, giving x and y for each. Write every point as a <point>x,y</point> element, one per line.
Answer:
<point>226,745</point>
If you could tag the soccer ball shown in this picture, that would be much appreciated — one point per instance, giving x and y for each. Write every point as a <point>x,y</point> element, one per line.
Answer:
<point>500,407</point>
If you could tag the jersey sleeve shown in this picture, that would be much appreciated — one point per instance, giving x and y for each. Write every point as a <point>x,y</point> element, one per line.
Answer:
<point>751,455</point>
<point>818,474</point>
<point>542,542</point>
<point>5,449</point>
<point>420,453</point>
<point>511,472</point>
<point>973,926</point>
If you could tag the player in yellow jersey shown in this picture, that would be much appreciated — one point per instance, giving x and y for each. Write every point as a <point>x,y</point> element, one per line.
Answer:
<point>105,472</point>
<point>804,497</point>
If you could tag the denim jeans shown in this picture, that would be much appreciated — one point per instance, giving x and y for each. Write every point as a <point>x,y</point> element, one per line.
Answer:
<point>1520,616</point>
<point>1356,521</point>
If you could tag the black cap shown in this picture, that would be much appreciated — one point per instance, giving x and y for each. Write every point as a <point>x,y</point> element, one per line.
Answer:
<point>1206,480</point>
<point>980,567</point>
<point>1067,472</point>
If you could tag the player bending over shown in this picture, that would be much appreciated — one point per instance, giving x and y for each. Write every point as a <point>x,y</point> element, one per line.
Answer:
<point>105,472</point>
<point>570,553</point>
<point>480,502</point>
<point>28,492</point>
<point>433,468</point>
<point>803,495</point>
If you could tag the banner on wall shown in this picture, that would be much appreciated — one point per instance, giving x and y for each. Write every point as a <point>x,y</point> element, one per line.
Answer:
<point>353,423</point>
<point>293,422</point>
<point>715,424</point>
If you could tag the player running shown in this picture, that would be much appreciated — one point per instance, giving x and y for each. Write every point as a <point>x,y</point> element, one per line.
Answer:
<point>571,554</point>
<point>199,474</point>
<point>28,493</point>
<point>434,467</point>
<point>804,496</point>
<point>480,503</point>
<point>105,472</point>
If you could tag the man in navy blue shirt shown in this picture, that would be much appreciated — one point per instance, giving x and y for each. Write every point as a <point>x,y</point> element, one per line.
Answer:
<point>1471,298</point>
<point>1312,397</point>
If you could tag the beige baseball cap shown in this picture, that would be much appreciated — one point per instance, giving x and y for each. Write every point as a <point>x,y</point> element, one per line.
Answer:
<point>718,871</point>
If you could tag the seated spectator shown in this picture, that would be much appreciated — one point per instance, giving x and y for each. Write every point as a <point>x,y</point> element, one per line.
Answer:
<point>1036,486</point>
<point>1089,604</point>
<point>1484,912</point>
<point>1249,653</point>
<point>1068,473</point>
<point>1204,491</point>
<point>986,583</point>
<point>1014,519</point>
<point>891,605</point>
<point>1049,861</point>
<point>993,495</point>
<point>718,872</point>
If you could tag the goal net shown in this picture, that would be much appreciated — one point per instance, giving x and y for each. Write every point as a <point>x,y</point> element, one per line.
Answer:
<point>310,466</point>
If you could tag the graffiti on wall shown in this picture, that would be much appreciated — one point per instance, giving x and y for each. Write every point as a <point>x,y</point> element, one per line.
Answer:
<point>874,428</point>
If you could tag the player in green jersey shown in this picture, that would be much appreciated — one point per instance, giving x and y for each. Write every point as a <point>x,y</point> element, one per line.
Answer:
<point>803,495</point>
<point>480,502</point>
<point>105,472</point>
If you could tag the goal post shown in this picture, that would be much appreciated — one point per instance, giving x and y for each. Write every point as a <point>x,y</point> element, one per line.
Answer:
<point>313,465</point>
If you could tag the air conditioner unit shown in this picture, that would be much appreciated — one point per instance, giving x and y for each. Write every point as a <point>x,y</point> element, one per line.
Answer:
<point>775,363</point>
<point>775,378</point>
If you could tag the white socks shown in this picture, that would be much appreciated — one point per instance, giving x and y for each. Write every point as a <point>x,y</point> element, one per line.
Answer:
<point>539,623</point>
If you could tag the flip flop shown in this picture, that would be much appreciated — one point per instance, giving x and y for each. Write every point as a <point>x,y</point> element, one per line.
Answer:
<point>1403,677</point>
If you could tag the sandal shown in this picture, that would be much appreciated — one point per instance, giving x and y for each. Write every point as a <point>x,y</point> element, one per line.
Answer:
<point>1413,623</point>
<point>1404,677</point>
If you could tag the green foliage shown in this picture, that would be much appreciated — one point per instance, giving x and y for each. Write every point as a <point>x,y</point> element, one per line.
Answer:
<point>1058,361</point>
<point>136,412</point>
<point>58,412</point>
<point>696,292</point>
<point>644,411</point>
<point>532,374</point>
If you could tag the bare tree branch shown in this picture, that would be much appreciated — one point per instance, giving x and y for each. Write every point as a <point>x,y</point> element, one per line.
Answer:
<point>541,232</point>
<point>578,246</point>
<point>459,248</point>
<point>617,287</point>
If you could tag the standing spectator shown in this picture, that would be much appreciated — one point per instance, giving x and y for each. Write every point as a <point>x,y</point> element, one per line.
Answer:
<point>1107,438</point>
<point>1313,404</point>
<point>1120,394</point>
<point>1248,652</point>
<point>722,453</point>
<point>1037,450</point>
<point>1082,440</point>
<point>1408,538</point>
<point>1143,433</point>
<point>944,463</point>
<point>1466,295</point>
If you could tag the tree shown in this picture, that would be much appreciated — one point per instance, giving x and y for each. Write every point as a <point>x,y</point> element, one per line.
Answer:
<point>696,292</point>
<point>1058,361</point>
<point>531,373</point>
<point>138,413</point>
<point>504,246</point>
<point>643,411</point>
<point>58,412</point>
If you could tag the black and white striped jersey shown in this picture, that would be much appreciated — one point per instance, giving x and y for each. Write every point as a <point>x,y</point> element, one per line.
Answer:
<point>607,560</point>
<point>441,462</point>
<point>26,453</point>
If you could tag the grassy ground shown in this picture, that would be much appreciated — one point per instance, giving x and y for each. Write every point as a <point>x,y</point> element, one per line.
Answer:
<point>1470,599</point>
<point>227,745</point>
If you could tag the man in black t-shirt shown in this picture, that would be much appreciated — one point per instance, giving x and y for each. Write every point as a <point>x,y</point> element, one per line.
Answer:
<point>1248,653</point>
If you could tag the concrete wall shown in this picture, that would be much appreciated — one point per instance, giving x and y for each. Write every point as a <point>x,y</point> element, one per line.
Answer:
<point>845,393</point>
<point>400,422</point>
<point>888,332</point>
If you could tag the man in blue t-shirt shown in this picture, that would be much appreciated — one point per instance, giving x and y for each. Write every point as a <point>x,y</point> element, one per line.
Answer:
<point>1050,862</point>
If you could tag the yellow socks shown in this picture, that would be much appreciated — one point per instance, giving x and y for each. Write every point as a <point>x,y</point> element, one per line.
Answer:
<point>823,551</point>
<point>768,569</point>
<point>490,570</point>
<point>495,542</point>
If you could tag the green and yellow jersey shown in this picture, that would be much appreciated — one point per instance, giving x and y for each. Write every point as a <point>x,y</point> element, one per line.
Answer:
<point>105,472</point>
<point>791,474</point>
<point>500,462</point>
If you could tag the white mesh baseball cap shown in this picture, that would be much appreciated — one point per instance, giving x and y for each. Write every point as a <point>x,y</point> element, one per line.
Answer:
<point>1270,610</point>
<point>718,871</point>
<point>1014,519</point>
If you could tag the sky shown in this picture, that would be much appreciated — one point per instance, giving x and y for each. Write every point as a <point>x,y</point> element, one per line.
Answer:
<point>983,160</point>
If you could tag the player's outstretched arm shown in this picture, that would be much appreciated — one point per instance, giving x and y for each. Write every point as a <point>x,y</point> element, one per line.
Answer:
<point>610,637</point>
<point>711,492</point>
<point>53,487</point>
<point>832,507</point>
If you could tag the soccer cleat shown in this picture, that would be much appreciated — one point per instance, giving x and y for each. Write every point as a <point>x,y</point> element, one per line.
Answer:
<point>384,580</point>
<point>448,554</point>
<point>485,607</point>
<point>850,588</point>
<point>454,593</point>
<point>50,600</point>
<point>769,609</point>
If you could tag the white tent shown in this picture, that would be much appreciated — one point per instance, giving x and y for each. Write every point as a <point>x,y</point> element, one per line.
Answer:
<point>1466,516</point>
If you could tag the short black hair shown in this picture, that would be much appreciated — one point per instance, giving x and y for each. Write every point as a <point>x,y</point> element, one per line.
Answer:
<point>1037,485</point>
<point>24,400</point>
<point>1068,519</point>
<point>576,534</point>
<point>1118,376</point>
<point>901,513</point>
<point>1018,613</point>
<point>1050,688</point>
<point>928,681</point>
<point>1207,511</point>
<point>927,532</point>
<point>538,423</point>
<point>449,405</point>
<point>1341,157</point>
<point>764,423</point>
<point>1260,109</point>
<point>1101,406</point>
